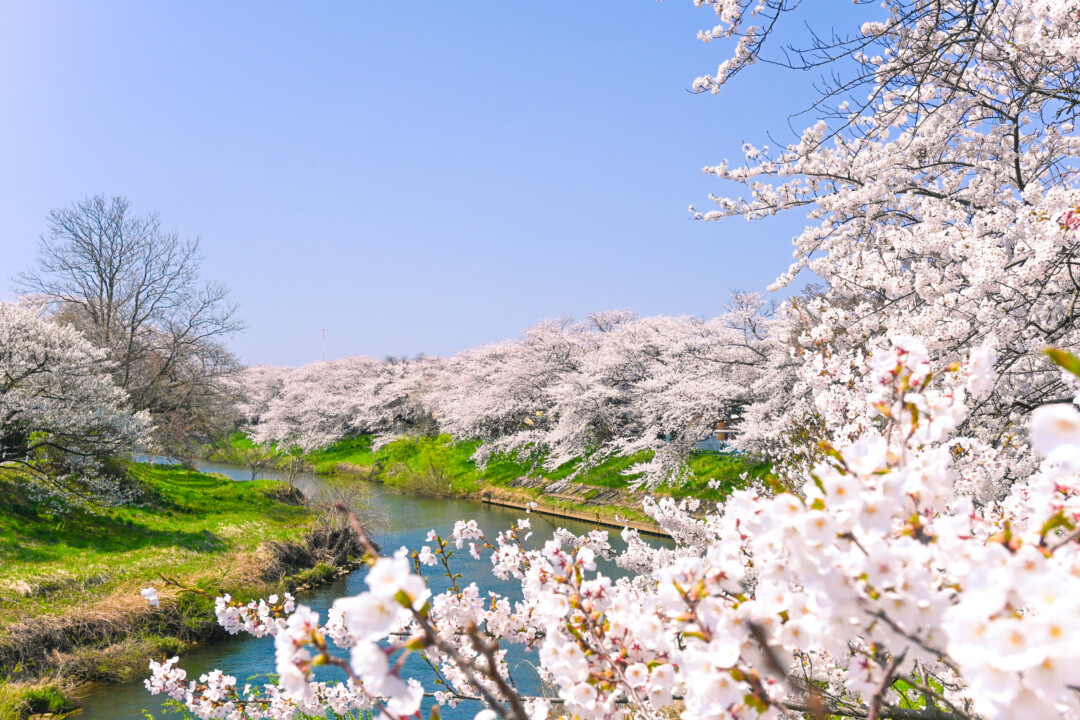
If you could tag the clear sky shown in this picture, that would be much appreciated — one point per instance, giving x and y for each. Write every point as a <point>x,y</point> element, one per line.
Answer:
<point>412,176</point>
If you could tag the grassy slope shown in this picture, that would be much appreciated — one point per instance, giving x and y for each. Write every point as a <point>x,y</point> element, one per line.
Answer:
<point>198,523</point>
<point>67,567</point>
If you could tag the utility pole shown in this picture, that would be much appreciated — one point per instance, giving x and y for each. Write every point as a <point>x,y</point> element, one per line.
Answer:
<point>324,344</point>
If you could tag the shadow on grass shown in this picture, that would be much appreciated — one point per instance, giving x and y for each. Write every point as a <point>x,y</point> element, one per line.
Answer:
<point>107,535</point>
<point>33,531</point>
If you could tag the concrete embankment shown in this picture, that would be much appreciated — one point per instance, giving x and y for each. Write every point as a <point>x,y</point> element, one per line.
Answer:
<point>582,515</point>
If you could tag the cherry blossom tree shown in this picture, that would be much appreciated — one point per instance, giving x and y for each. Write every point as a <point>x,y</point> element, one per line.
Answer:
<point>60,412</point>
<point>394,401</point>
<point>652,384</point>
<point>310,406</point>
<point>614,384</point>
<point>508,395</point>
<point>320,403</point>
<point>256,388</point>
<point>940,181</point>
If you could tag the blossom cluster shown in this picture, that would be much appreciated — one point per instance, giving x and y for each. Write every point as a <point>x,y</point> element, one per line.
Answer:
<point>257,617</point>
<point>884,582</point>
<point>937,177</point>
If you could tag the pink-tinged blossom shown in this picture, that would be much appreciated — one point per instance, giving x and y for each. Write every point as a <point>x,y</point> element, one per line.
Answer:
<point>292,659</point>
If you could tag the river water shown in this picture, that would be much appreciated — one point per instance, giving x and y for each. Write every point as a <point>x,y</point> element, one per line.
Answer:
<point>405,521</point>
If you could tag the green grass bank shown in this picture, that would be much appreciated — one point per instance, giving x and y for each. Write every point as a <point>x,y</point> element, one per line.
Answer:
<point>70,608</point>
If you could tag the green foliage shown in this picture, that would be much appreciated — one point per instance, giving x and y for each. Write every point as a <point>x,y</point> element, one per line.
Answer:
<point>503,468</point>
<point>1064,360</point>
<point>355,452</point>
<point>610,472</point>
<point>313,576</point>
<point>439,466</point>
<point>195,612</point>
<point>240,441</point>
<point>727,469</point>
<point>434,466</point>
<point>19,701</point>
<point>910,697</point>
<point>231,449</point>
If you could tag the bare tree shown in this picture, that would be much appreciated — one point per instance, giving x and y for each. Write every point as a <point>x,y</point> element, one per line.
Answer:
<point>134,290</point>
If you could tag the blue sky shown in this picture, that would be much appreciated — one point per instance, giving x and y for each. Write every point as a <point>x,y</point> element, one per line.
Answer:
<point>412,176</point>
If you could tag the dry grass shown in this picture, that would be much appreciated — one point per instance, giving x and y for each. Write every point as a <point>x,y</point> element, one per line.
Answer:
<point>121,662</point>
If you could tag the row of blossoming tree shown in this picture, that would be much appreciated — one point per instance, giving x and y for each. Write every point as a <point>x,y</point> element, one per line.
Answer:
<point>925,563</point>
<point>613,384</point>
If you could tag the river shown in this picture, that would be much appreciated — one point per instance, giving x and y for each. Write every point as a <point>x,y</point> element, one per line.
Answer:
<point>405,522</point>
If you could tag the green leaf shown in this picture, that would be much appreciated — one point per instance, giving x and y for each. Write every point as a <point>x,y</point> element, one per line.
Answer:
<point>1059,520</point>
<point>1065,360</point>
<point>755,702</point>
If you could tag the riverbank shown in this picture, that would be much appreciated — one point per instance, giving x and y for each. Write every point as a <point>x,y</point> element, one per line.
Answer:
<point>406,521</point>
<point>437,466</point>
<point>70,608</point>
